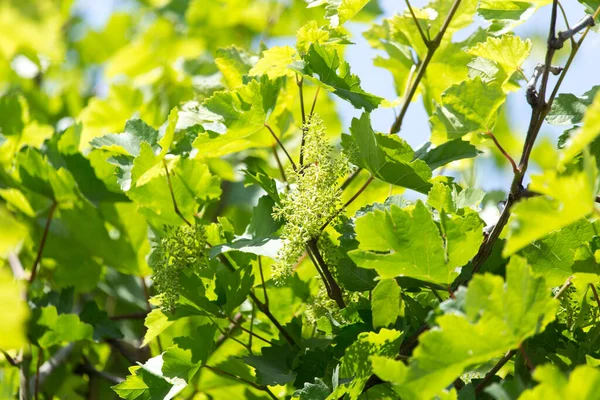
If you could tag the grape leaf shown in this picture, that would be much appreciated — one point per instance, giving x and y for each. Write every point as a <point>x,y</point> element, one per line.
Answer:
<point>505,15</point>
<point>147,382</point>
<point>567,198</point>
<point>386,303</point>
<point>48,328</point>
<point>14,313</point>
<point>583,383</point>
<point>469,107</point>
<point>275,61</point>
<point>403,242</point>
<point>508,52</point>
<point>586,135</point>
<point>334,75</point>
<point>496,317</point>
<point>568,109</point>
<point>447,152</point>
<point>387,157</point>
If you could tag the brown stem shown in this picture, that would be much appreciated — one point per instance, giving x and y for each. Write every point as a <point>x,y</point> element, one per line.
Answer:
<point>256,335</point>
<point>504,153</point>
<point>431,49</point>
<point>358,193</point>
<point>336,291</point>
<point>425,40</point>
<point>137,315</point>
<point>246,381</point>
<point>36,390</point>
<point>9,358</point>
<point>279,165</point>
<point>38,257</point>
<point>488,377</point>
<point>175,207</point>
<point>314,103</point>
<point>299,83</point>
<point>237,320</point>
<point>564,287</point>
<point>281,145</point>
<point>528,361</point>
<point>595,294</point>
<point>262,280</point>
<point>349,180</point>
<point>261,306</point>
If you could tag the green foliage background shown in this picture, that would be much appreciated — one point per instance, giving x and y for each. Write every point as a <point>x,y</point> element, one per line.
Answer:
<point>183,213</point>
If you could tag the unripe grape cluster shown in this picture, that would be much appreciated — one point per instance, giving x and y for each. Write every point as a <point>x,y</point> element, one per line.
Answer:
<point>313,197</point>
<point>183,247</point>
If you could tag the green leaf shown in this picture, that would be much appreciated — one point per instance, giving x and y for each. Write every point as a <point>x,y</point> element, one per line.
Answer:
<point>104,327</point>
<point>234,63</point>
<point>568,109</point>
<point>334,75</point>
<point>496,317</point>
<point>156,323</point>
<point>553,256</point>
<point>190,353</point>
<point>403,242</point>
<point>583,383</point>
<point>14,313</point>
<point>386,303</point>
<point>313,391</point>
<point>48,328</point>
<point>586,135</point>
<point>447,152</point>
<point>339,11</point>
<point>273,366</point>
<point>505,15</point>
<point>275,62</point>
<point>387,157</point>
<point>469,107</point>
<point>508,52</point>
<point>356,364</point>
<point>237,118</point>
<point>566,199</point>
<point>147,382</point>
<point>233,287</point>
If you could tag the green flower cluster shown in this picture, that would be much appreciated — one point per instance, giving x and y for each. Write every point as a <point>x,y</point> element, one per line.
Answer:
<point>313,197</point>
<point>183,247</point>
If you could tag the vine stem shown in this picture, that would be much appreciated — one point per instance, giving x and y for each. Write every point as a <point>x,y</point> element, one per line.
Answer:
<point>354,197</point>
<point>491,373</point>
<point>540,109</point>
<point>419,28</point>
<point>504,153</point>
<point>281,145</point>
<point>256,335</point>
<point>264,308</point>
<point>239,378</point>
<point>175,207</point>
<point>335,290</point>
<point>432,46</point>
<point>595,292</point>
<point>38,257</point>
<point>299,83</point>
<point>279,165</point>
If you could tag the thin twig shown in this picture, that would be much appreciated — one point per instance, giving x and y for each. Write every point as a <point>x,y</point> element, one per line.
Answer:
<point>488,377</point>
<point>504,153</point>
<point>528,361</point>
<point>299,83</point>
<point>262,280</point>
<point>175,207</point>
<point>250,332</point>
<point>336,291</point>
<point>358,193</point>
<point>281,145</point>
<point>136,315</point>
<point>279,165</point>
<point>595,294</point>
<point>349,179</point>
<point>246,381</point>
<point>425,40</point>
<point>261,306</point>
<point>38,257</point>
<point>314,103</point>
<point>564,287</point>
<point>431,49</point>
<point>9,358</point>
<point>564,14</point>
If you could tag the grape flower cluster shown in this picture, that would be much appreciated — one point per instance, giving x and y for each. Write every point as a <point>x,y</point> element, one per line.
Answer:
<point>313,197</point>
<point>182,248</point>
